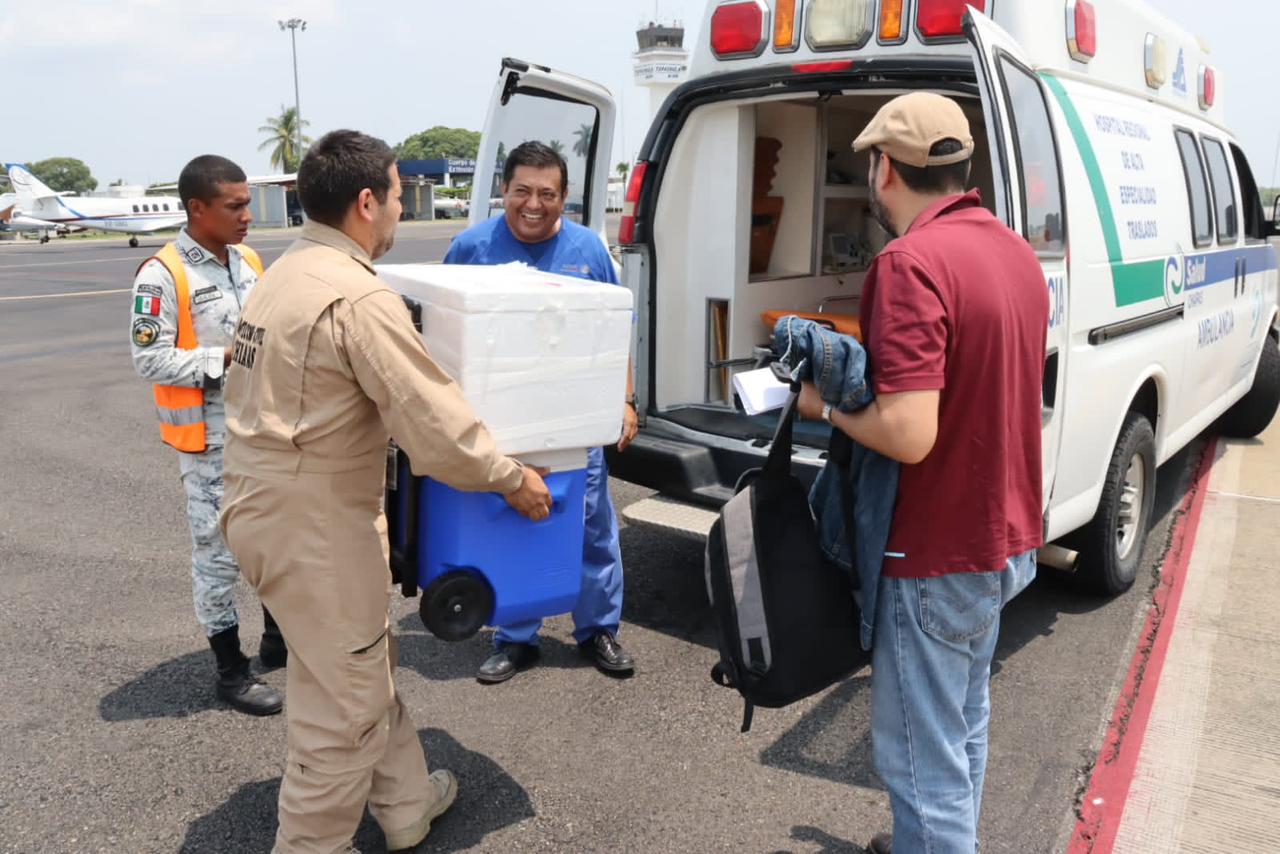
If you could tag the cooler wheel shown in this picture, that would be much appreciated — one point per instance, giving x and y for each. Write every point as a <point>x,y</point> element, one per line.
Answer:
<point>456,605</point>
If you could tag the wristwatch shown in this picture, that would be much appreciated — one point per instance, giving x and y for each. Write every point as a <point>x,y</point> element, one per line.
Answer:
<point>631,401</point>
<point>826,412</point>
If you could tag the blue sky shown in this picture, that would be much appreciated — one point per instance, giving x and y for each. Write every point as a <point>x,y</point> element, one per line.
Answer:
<point>137,87</point>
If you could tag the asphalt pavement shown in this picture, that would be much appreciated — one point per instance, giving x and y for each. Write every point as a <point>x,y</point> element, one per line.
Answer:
<point>113,740</point>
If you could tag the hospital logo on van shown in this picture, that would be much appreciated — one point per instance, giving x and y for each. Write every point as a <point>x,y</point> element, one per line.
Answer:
<point>1180,75</point>
<point>1173,280</point>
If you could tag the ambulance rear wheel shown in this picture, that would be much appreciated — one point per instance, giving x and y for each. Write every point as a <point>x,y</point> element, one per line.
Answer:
<point>456,605</point>
<point>1111,545</point>
<point>1251,414</point>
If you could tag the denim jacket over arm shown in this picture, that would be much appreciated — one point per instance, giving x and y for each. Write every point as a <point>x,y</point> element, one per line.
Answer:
<point>837,366</point>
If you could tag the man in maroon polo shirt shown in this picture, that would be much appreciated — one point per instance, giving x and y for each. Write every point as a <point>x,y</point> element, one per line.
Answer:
<point>954,312</point>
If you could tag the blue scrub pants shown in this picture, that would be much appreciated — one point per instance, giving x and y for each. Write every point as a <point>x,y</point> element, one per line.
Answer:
<point>599,607</point>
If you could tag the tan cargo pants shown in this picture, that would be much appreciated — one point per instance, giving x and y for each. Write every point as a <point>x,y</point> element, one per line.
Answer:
<point>314,546</point>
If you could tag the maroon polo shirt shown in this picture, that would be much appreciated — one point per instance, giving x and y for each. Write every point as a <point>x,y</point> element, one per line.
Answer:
<point>959,304</point>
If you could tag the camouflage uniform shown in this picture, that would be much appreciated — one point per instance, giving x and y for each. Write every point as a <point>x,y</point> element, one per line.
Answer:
<point>216,294</point>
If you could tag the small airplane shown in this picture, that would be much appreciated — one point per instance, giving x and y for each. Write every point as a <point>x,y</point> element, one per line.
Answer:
<point>39,207</point>
<point>13,219</point>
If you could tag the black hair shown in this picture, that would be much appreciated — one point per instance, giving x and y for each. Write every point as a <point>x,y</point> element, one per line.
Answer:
<point>538,155</point>
<point>200,178</point>
<point>947,178</point>
<point>336,168</point>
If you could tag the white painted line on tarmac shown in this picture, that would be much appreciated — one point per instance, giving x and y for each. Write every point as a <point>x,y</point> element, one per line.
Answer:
<point>69,294</point>
<point>8,267</point>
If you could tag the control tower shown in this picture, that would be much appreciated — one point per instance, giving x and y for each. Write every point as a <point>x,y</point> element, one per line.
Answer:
<point>661,63</point>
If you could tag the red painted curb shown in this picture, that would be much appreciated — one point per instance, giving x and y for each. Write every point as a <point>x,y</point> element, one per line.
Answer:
<point>1103,804</point>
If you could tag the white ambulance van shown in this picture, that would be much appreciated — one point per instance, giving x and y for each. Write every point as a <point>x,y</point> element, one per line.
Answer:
<point>1101,138</point>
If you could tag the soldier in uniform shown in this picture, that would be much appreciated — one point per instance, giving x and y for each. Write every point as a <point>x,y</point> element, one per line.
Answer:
<point>326,367</point>
<point>186,302</point>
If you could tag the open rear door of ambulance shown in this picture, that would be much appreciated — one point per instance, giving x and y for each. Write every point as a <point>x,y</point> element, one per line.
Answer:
<point>572,115</point>
<point>1021,117</point>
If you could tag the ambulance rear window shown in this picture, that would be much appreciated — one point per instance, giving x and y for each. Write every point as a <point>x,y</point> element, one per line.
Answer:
<point>1037,160</point>
<point>1224,192</point>
<point>1197,187</point>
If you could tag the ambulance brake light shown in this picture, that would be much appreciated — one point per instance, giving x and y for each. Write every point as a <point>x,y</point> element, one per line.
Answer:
<point>944,19</point>
<point>739,29</point>
<point>839,24</point>
<point>1082,30</point>
<point>631,204</point>
<point>786,35</point>
<point>831,67</point>
<point>891,29</point>
<point>1208,87</point>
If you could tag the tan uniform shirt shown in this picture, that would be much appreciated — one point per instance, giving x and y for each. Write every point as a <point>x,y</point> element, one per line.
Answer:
<point>326,363</point>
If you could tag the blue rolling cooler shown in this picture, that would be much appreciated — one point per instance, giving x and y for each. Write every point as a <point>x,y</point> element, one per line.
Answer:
<point>478,561</point>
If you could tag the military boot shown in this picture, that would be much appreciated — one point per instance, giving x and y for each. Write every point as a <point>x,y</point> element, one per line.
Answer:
<point>235,684</point>
<point>272,652</point>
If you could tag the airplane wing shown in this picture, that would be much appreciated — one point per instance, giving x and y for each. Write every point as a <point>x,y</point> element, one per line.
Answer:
<point>287,178</point>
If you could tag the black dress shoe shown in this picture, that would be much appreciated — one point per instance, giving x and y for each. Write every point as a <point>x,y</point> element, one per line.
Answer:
<point>881,843</point>
<point>608,655</point>
<point>506,661</point>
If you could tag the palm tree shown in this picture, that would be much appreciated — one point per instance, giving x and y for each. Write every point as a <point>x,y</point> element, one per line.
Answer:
<point>583,143</point>
<point>623,168</point>
<point>282,132</point>
<point>557,146</point>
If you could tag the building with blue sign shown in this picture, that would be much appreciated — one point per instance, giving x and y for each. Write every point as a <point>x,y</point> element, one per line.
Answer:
<point>445,172</point>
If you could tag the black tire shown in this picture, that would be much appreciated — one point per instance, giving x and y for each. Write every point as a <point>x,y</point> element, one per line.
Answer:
<point>1109,560</point>
<point>456,605</point>
<point>1251,414</point>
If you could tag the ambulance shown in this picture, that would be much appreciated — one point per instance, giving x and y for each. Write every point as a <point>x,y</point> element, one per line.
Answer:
<point>1100,137</point>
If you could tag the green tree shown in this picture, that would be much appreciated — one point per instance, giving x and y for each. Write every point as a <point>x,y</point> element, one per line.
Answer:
<point>282,139</point>
<point>582,144</point>
<point>64,174</point>
<point>440,143</point>
<point>623,168</point>
<point>557,146</point>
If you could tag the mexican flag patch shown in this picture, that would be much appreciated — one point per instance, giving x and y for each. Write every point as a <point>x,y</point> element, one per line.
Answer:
<point>143,304</point>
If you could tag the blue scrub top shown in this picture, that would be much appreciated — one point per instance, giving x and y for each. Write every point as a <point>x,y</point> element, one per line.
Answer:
<point>575,250</point>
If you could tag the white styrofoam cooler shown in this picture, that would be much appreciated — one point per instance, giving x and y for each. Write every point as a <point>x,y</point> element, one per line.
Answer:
<point>541,357</point>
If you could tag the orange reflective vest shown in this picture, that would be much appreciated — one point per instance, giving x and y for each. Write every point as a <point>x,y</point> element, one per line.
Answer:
<point>181,409</point>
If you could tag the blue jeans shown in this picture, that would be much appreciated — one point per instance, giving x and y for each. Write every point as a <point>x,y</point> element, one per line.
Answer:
<point>599,607</point>
<point>931,666</point>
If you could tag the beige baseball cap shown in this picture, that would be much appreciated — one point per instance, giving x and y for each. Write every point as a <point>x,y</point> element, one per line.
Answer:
<point>909,125</point>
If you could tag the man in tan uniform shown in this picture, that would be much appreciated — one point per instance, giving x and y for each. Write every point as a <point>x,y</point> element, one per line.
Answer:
<point>325,364</point>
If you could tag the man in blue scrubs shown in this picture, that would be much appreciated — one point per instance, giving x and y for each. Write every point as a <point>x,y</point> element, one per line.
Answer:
<point>534,181</point>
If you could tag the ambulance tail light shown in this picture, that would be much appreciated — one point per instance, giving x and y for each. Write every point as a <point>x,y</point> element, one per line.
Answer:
<point>738,29</point>
<point>1208,87</point>
<point>839,24</point>
<point>892,29</point>
<point>786,35</point>
<point>1082,30</point>
<point>631,205</point>
<point>944,19</point>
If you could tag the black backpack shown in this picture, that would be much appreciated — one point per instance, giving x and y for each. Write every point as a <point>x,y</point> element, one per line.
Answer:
<point>787,617</point>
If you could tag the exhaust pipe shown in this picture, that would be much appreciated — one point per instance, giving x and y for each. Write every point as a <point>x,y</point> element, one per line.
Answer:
<point>1057,557</point>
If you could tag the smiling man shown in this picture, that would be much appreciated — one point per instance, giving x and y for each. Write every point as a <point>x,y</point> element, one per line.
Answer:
<point>532,231</point>
<point>185,304</point>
